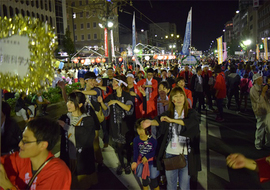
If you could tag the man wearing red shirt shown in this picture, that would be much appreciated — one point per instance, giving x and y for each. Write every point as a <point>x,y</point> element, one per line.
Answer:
<point>16,170</point>
<point>151,90</point>
<point>187,75</point>
<point>220,87</point>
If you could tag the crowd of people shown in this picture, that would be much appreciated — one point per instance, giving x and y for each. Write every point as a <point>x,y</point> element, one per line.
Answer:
<point>160,104</point>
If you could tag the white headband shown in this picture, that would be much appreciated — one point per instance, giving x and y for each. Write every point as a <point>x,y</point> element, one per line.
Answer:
<point>132,76</point>
<point>120,82</point>
<point>205,66</point>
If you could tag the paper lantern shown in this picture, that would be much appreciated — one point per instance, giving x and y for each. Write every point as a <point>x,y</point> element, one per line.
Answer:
<point>120,59</point>
<point>76,60</point>
<point>98,60</point>
<point>147,58</point>
<point>155,56</point>
<point>133,58</point>
<point>93,61</point>
<point>103,60</point>
<point>82,61</point>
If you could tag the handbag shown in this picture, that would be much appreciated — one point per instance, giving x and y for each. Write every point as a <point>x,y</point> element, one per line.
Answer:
<point>176,162</point>
<point>38,171</point>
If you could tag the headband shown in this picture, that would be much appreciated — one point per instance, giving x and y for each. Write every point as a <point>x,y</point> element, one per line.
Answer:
<point>120,82</point>
<point>205,66</point>
<point>132,76</point>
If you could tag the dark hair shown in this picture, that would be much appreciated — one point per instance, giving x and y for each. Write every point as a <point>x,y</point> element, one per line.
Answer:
<point>150,70</point>
<point>110,68</point>
<point>164,70</point>
<point>233,69</point>
<point>171,104</point>
<point>6,109</point>
<point>165,84</point>
<point>59,70</point>
<point>45,129</point>
<point>90,75</point>
<point>138,126</point>
<point>77,98</point>
<point>245,76</point>
<point>198,69</point>
<point>178,79</point>
<point>217,69</point>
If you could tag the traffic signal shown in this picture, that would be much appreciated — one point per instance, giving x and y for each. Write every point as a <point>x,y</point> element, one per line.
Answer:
<point>261,46</point>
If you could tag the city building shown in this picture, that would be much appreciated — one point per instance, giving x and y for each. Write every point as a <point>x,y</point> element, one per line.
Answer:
<point>52,12</point>
<point>162,34</point>
<point>86,21</point>
<point>236,26</point>
<point>228,33</point>
<point>264,22</point>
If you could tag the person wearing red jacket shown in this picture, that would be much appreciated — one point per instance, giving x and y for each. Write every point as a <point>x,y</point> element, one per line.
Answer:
<point>262,165</point>
<point>187,75</point>
<point>16,170</point>
<point>180,81</point>
<point>220,87</point>
<point>151,89</point>
<point>208,82</point>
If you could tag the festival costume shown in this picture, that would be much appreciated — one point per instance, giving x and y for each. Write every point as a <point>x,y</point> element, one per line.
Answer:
<point>118,122</point>
<point>151,96</point>
<point>55,175</point>
<point>77,137</point>
<point>187,75</point>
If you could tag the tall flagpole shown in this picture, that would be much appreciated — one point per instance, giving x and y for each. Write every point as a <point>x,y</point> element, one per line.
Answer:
<point>190,29</point>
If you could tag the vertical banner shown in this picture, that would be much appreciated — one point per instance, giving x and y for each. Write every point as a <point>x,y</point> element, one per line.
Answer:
<point>220,51</point>
<point>257,52</point>
<point>112,42</point>
<point>255,3</point>
<point>187,38</point>
<point>265,49</point>
<point>106,42</point>
<point>225,51</point>
<point>133,34</point>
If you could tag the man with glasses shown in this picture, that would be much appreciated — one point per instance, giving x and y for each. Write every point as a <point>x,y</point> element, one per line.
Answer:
<point>17,169</point>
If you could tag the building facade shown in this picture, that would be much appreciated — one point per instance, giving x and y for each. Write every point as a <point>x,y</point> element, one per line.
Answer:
<point>161,33</point>
<point>228,34</point>
<point>52,12</point>
<point>85,20</point>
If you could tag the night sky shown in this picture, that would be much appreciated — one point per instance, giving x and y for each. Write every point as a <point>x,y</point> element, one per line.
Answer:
<point>208,17</point>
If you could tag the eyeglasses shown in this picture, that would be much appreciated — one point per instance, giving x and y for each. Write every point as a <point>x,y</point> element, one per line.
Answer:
<point>28,142</point>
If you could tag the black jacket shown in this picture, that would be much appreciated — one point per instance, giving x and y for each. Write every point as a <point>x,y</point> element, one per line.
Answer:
<point>191,130</point>
<point>84,136</point>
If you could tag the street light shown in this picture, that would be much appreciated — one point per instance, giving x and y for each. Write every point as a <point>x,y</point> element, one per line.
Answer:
<point>171,35</point>
<point>247,43</point>
<point>166,36</point>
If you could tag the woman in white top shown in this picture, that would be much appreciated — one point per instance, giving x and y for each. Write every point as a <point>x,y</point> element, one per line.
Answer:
<point>178,132</point>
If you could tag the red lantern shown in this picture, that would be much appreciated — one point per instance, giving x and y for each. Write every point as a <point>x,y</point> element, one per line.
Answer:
<point>155,56</point>
<point>98,60</point>
<point>76,60</point>
<point>165,57</point>
<point>82,61</point>
<point>93,61</point>
<point>120,59</point>
<point>133,58</point>
<point>103,60</point>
